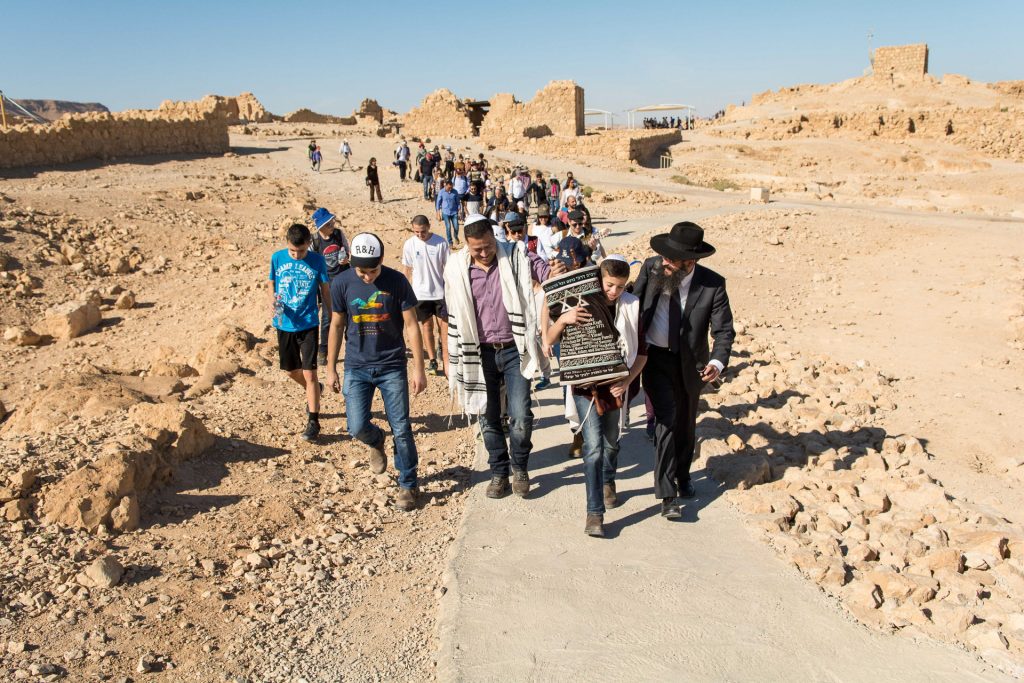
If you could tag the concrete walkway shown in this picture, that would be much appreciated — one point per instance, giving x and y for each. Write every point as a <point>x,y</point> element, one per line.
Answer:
<point>531,598</point>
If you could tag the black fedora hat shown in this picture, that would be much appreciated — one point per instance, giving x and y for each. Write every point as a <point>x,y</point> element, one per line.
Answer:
<point>685,241</point>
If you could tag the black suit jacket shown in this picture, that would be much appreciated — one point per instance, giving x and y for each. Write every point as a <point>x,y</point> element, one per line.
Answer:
<point>707,309</point>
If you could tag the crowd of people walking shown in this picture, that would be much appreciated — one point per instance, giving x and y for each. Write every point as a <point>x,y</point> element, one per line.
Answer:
<point>471,307</point>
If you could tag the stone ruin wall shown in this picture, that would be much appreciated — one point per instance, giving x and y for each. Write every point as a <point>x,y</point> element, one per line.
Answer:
<point>900,62</point>
<point>607,148</point>
<point>182,128</point>
<point>557,109</point>
<point>441,114</point>
<point>237,110</point>
<point>552,123</point>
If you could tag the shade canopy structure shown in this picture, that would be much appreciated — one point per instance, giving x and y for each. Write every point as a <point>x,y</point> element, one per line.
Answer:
<point>609,117</point>
<point>631,113</point>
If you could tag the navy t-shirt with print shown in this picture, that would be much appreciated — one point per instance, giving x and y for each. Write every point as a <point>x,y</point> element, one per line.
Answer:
<point>374,312</point>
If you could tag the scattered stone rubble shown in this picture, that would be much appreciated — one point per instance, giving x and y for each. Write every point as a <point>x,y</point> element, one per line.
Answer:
<point>794,443</point>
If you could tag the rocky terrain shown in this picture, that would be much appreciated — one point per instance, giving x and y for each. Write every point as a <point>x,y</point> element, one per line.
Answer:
<point>161,520</point>
<point>161,516</point>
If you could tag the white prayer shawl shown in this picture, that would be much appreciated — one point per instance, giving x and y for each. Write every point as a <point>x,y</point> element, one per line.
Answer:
<point>466,380</point>
<point>627,323</point>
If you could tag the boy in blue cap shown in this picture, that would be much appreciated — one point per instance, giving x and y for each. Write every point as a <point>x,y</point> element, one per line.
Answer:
<point>330,242</point>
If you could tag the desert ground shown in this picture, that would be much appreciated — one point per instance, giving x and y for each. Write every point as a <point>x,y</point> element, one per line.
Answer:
<point>870,418</point>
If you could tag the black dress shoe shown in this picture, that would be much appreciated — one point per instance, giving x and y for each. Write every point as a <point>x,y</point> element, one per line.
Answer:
<point>670,509</point>
<point>686,490</point>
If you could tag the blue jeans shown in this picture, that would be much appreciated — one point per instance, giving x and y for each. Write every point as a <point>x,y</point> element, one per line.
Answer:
<point>502,367</point>
<point>555,206</point>
<point>394,389</point>
<point>600,452</point>
<point>451,225</point>
<point>428,184</point>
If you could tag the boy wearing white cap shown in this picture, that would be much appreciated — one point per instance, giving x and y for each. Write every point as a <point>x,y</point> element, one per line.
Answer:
<point>371,306</point>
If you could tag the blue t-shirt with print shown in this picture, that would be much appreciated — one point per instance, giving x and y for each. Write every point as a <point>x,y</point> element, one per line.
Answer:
<point>296,283</point>
<point>374,311</point>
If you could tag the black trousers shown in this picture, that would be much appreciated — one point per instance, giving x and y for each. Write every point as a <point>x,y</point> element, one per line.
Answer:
<point>675,418</point>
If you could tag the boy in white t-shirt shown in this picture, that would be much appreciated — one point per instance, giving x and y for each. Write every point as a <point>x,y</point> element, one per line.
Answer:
<point>424,257</point>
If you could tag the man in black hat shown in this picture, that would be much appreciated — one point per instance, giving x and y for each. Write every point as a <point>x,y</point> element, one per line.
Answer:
<point>680,302</point>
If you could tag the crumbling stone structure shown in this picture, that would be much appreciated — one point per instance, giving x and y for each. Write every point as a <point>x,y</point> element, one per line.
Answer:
<point>441,114</point>
<point>557,109</point>
<point>177,128</point>
<point>607,148</point>
<point>242,109</point>
<point>246,107</point>
<point>900,62</point>
<point>369,111</point>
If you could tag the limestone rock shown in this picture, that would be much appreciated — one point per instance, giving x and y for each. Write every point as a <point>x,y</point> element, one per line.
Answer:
<point>87,497</point>
<point>70,320</point>
<point>84,396</point>
<point>125,517</point>
<point>104,572</point>
<point>16,510</point>
<point>164,368</point>
<point>22,336</point>
<point>257,561</point>
<point>125,301</point>
<point>740,471</point>
<point>23,480</point>
<point>171,425</point>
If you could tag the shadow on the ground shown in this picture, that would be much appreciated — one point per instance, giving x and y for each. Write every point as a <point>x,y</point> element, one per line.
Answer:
<point>183,497</point>
<point>249,151</point>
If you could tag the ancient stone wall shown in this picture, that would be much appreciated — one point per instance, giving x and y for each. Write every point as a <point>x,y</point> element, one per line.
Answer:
<point>440,114</point>
<point>183,128</point>
<point>900,62</point>
<point>556,110</point>
<point>606,146</point>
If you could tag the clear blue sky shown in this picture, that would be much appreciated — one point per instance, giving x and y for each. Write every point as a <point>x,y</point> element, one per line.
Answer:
<point>330,55</point>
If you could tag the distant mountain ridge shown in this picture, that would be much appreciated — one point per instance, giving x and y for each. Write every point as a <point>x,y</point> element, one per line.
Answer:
<point>51,110</point>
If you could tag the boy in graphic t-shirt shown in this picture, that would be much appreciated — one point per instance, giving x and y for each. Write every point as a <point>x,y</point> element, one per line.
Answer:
<point>371,306</point>
<point>297,275</point>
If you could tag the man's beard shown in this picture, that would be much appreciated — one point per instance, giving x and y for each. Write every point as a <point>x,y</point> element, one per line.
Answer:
<point>667,283</point>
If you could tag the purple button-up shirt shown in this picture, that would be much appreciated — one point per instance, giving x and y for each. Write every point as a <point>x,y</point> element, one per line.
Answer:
<point>492,322</point>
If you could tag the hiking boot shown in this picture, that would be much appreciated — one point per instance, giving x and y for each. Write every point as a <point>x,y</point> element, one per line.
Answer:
<point>498,488</point>
<point>576,449</point>
<point>595,526</point>
<point>378,461</point>
<point>610,499</point>
<point>321,359</point>
<point>670,509</point>
<point>312,431</point>
<point>520,483</point>
<point>406,499</point>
